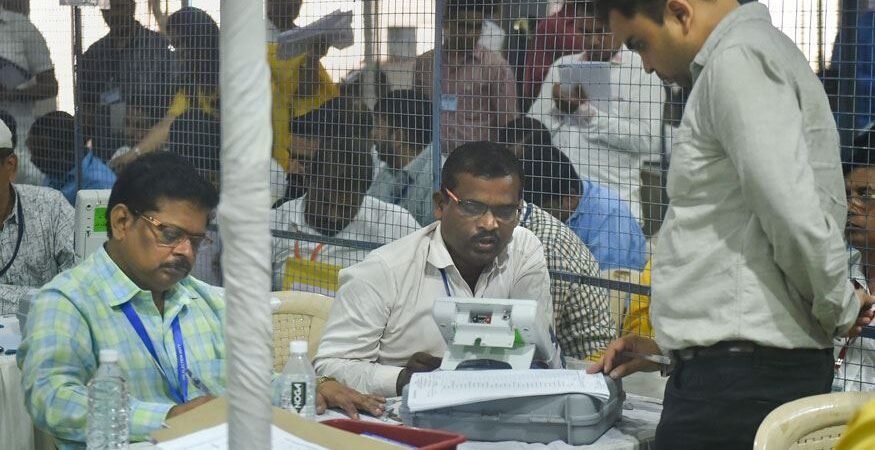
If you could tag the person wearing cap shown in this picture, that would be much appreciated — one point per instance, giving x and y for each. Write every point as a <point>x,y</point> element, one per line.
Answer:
<point>36,230</point>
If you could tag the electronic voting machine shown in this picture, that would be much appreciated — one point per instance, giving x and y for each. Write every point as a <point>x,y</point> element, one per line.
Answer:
<point>530,405</point>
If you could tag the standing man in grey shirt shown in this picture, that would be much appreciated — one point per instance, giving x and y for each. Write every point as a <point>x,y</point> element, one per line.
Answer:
<point>36,229</point>
<point>750,281</point>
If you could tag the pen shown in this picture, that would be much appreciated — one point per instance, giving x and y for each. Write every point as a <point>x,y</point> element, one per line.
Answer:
<point>658,359</point>
<point>197,382</point>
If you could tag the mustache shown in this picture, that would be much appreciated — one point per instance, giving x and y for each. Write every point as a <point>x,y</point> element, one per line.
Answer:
<point>484,235</point>
<point>180,264</point>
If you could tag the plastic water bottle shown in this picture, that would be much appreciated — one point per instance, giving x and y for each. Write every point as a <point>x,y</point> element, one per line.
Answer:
<point>299,382</point>
<point>108,422</point>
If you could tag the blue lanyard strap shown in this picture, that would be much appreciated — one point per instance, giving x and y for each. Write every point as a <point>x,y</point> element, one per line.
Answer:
<point>180,392</point>
<point>446,282</point>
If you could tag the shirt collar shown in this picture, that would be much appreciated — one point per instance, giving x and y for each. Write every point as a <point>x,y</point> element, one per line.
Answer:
<point>743,13</point>
<point>13,216</point>
<point>119,288</point>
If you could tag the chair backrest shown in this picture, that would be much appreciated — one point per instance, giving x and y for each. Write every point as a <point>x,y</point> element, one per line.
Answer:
<point>810,423</point>
<point>299,316</point>
<point>617,299</point>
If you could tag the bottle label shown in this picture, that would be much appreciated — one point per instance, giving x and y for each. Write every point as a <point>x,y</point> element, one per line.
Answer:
<point>299,395</point>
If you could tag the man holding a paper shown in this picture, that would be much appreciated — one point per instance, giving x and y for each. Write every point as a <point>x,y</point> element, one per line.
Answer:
<point>381,328</point>
<point>26,76</point>
<point>750,282</point>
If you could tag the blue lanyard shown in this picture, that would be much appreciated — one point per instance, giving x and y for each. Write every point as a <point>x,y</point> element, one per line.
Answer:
<point>179,393</point>
<point>446,282</point>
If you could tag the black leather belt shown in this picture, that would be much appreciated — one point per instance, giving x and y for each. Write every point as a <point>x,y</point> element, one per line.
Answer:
<point>720,349</point>
<point>723,349</point>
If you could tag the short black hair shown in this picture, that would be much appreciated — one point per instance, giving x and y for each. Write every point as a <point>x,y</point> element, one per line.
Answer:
<point>408,110</point>
<point>10,122</point>
<point>550,176</point>
<point>197,136</point>
<point>158,176</point>
<point>653,9</point>
<point>525,130</point>
<point>58,128</point>
<point>339,117</point>
<point>481,159</point>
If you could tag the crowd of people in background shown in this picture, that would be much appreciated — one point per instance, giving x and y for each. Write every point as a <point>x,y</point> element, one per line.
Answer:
<point>532,164</point>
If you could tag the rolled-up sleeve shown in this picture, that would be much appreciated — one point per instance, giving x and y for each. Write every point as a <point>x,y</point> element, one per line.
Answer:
<point>778,181</point>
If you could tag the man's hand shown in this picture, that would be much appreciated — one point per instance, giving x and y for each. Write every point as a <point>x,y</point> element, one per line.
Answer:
<point>419,362</point>
<point>179,409</point>
<point>616,365</point>
<point>568,98</point>
<point>332,394</point>
<point>864,318</point>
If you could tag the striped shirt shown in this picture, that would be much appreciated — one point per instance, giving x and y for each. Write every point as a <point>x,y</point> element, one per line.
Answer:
<point>78,314</point>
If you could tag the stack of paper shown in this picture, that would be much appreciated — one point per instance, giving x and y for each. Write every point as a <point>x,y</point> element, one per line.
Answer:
<point>452,388</point>
<point>335,30</point>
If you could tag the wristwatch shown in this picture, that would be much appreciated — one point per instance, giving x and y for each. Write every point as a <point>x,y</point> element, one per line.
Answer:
<point>321,380</point>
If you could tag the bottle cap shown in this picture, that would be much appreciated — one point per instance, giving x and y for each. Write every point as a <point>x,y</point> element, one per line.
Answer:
<point>298,347</point>
<point>108,356</point>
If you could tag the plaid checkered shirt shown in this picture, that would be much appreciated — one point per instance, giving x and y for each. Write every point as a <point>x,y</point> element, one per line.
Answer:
<point>581,312</point>
<point>78,314</point>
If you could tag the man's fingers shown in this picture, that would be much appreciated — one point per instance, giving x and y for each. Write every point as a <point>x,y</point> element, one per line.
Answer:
<point>349,407</point>
<point>320,403</point>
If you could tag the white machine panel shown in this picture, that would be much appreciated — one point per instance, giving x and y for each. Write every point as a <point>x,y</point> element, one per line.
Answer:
<point>91,224</point>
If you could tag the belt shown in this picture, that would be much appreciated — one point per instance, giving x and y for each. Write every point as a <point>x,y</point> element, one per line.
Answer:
<point>723,349</point>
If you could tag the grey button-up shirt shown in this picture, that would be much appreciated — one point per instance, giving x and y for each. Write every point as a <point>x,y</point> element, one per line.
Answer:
<point>751,247</point>
<point>46,246</point>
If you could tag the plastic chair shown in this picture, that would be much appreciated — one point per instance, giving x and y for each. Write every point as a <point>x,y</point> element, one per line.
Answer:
<point>810,423</point>
<point>299,316</point>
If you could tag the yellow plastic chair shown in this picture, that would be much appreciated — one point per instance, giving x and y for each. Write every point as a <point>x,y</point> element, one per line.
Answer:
<point>299,316</point>
<point>810,423</point>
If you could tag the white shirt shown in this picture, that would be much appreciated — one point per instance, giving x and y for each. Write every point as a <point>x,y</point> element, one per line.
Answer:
<point>752,243</point>
<point>383,311</point>
<point>607,146</point>
<point>377,221</point>
<point>22,44</point>
<point>857,372</point>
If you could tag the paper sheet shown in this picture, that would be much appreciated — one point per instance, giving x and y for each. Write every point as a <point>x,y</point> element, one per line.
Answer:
<point>334,29</point>
<point>452,388</point>
<point>216,438</point>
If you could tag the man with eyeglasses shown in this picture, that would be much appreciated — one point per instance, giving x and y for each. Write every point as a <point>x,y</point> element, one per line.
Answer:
<point>135,295</point>
<point>381,328</point>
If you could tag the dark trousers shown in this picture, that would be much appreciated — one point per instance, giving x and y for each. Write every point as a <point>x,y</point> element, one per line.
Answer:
<point>717,401</point>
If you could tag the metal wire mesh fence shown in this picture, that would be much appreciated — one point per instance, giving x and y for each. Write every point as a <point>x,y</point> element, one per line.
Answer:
<point>365,109</point>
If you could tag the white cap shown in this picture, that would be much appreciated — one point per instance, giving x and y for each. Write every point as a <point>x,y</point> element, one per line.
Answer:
<point>108,356</point>
<point>298,347</point>
<point>5,136</point>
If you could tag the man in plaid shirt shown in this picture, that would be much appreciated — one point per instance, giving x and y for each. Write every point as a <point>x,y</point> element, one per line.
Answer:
<point>581,312</point>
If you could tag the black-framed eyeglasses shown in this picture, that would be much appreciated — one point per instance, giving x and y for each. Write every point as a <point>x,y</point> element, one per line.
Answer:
<point>173,236</point>
<point>475,209</point>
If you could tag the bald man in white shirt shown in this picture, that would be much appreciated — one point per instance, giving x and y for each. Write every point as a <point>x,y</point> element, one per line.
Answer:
<point>381,328</point>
